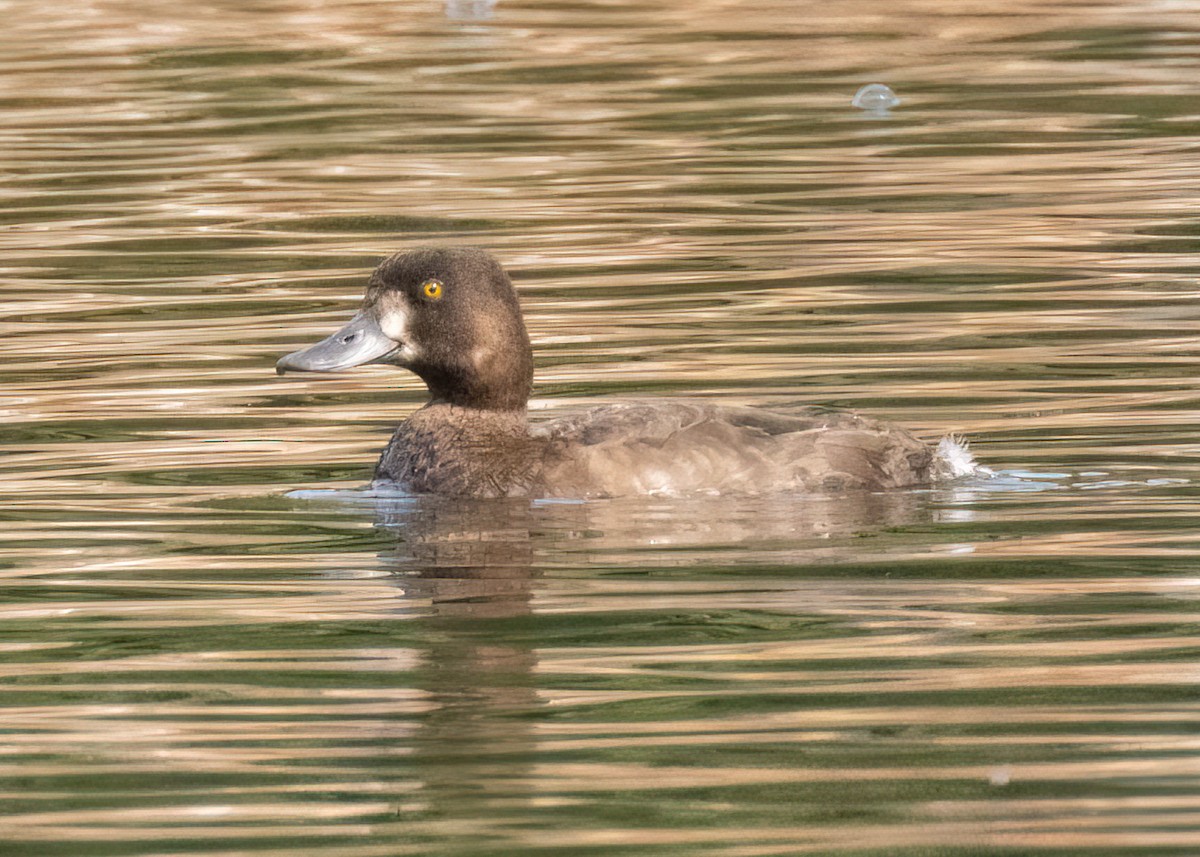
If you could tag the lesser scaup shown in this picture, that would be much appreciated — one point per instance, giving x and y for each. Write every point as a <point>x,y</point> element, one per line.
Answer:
<point>451,316</point>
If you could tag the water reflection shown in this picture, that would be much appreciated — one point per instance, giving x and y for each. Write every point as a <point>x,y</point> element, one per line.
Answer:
<point>480,749</point>
<point>473,564</point>
<point>551,691</point>
<point>195,663</point>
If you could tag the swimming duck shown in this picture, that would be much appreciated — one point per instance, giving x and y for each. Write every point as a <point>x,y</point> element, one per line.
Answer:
<point>451,316</point>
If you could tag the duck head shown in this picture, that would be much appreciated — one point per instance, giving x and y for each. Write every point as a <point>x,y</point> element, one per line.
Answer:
<point>449,315</point>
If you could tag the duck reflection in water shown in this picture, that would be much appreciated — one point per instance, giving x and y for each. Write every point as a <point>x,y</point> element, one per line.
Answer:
<point>472,564</point>
<point>488,578</point>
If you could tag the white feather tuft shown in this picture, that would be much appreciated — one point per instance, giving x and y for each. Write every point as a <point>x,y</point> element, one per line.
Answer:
<point>957,458</point>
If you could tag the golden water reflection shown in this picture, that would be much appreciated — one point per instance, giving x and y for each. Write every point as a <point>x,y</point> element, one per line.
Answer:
<point>196,663</point>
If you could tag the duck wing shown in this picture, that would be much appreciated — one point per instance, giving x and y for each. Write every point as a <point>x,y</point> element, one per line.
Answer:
<point>681,447</point>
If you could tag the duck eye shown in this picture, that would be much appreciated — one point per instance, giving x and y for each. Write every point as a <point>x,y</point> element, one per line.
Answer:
<point>432,289</point>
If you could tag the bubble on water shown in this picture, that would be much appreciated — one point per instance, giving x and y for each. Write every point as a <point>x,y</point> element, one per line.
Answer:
<point>1000,776</point>
<point>875,97</point>
<point>470,10</point>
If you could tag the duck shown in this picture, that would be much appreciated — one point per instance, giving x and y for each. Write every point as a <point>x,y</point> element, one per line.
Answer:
<point>451,316</point>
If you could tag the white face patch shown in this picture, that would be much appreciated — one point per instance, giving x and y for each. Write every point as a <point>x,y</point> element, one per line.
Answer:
<point>393,321</point>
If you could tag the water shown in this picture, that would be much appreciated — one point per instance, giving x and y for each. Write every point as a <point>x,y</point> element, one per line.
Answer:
<point>198,660</point>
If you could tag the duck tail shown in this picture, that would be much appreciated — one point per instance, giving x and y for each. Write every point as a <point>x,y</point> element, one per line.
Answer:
<point>956,460</point>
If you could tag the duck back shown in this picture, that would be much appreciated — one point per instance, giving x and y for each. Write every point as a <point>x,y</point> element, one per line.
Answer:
<point>680,447</point>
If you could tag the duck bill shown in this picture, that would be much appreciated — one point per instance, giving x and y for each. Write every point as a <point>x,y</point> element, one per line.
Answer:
<point>361,341</point>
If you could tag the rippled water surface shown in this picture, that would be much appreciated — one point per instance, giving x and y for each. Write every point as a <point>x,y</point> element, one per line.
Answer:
<point>213,644</point>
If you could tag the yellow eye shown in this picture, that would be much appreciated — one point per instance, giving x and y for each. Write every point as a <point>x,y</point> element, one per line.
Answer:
<point>432,289</point>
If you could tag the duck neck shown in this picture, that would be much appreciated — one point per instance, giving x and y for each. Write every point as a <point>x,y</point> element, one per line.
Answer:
<point>498,380</point>
<point>472,393</point>
<point>470,421</point>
